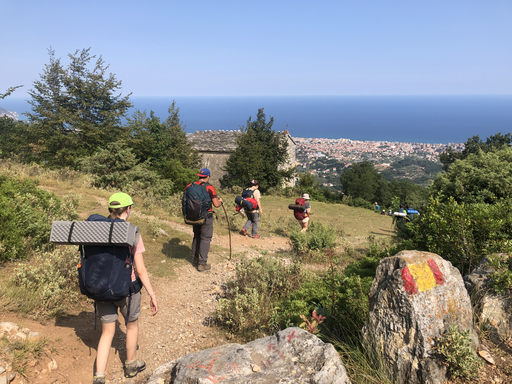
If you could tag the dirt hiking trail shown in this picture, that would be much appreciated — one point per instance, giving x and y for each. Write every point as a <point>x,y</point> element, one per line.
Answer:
<point>182,325</point>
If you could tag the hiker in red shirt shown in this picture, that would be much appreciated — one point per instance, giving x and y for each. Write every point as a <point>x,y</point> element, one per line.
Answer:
<point>252,216</point>
<point>203,233</point>
<point>305,220</point>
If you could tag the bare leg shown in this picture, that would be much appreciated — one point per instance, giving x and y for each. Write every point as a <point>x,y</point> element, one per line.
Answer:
<point>108,331</point>
<point>132,339</point>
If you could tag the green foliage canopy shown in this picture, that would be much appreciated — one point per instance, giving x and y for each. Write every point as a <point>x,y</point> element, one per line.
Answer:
<point>164,145</point>
<point>474,145</point>
<point>26,214</point>
<point>117,167</point>
<point>261,154</point>
<point>75,109</point>
<point>481,177</point>
<point>362,180</point>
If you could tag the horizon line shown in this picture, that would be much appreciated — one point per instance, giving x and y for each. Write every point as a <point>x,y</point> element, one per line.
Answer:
<point>314,95</point>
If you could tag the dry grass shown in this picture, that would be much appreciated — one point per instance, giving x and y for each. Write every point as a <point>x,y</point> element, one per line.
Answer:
<point>357,228</point>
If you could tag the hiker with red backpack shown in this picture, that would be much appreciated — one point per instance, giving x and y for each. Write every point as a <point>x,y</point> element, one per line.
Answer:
<point>302,214</point>
<point>197,204</point>
<point>119,206</point>
<point>253,216</point>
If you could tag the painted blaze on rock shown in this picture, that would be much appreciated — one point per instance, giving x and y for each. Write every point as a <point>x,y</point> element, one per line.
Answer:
<point>414,298</point>
<point>422,277</point>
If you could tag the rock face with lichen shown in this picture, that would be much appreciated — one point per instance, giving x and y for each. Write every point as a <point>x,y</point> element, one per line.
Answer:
<point>492,309</point>
<point>290,356</point>
<point>414,299</point>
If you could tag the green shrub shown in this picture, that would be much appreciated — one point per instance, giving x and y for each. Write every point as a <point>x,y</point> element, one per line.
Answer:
<point>250,301</point>
<point>316,238</point>
<point>343,294</point>
<point>360,202</point>
<point>116,167</point>
<point>501,278</point>
<point>26,214</point>
<point>455,349</point>
<point>48,282</point>
<point>463,233</point>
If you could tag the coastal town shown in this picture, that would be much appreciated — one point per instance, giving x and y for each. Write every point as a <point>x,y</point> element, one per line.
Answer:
<point>352,151</point>
<point>326,158</point>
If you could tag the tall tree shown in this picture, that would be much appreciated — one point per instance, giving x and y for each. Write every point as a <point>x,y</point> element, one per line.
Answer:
<point>362,180</point>
<point>164,145</point>
<point>261,154</point>
<point>75,109</point>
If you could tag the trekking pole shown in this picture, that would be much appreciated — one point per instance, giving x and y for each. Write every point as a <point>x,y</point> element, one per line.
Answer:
<point>229,231</point>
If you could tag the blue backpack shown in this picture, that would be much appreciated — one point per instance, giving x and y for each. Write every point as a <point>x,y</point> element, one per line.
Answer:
<point>105,272</point>
<point>195,204</point>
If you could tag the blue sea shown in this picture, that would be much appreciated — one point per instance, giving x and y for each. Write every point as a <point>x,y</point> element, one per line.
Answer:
<point>418,119</point>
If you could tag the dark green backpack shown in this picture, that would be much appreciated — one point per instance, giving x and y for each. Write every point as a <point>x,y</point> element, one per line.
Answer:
<point>195,204</point>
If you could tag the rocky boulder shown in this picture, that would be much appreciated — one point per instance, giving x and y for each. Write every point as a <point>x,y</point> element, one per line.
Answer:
<point>492,309</point>
<point>414,299</point>
<point>290,356</point>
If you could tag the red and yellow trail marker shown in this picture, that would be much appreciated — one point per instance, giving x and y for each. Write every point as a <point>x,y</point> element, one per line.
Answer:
<point>422,277</point>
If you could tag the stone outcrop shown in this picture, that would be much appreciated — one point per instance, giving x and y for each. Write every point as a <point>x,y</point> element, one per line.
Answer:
<point>290,356</point>
<point>415,297</point>
<point>492,309</point>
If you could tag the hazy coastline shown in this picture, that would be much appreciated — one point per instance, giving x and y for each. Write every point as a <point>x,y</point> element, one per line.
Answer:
<point>405,119</point>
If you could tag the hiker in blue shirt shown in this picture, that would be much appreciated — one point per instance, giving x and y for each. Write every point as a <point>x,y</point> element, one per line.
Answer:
<point>120,206</point>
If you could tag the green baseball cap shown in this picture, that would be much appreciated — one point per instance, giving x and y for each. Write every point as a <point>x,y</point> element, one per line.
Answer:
<point>120,199</point>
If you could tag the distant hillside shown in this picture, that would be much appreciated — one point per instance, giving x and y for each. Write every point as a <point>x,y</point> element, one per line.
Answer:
<point>419,171</point>
<point>5,112</point>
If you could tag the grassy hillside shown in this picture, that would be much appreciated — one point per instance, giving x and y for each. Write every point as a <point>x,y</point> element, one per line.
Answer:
<point>356,228</point>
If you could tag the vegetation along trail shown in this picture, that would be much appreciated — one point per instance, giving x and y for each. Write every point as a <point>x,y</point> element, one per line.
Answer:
<point>187,298</point>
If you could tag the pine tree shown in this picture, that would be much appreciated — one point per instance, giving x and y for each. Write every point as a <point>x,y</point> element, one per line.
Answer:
<point>75,110</point>
<point>164,145</point>
<point>261,154</point>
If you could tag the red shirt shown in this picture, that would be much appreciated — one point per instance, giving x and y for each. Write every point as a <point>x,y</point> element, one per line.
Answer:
<point>209,188</point>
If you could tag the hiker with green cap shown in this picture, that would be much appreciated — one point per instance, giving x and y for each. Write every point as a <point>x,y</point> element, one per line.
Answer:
<point>120,207</point>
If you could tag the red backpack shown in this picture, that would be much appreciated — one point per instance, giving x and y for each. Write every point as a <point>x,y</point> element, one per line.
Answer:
<point>300,214</point>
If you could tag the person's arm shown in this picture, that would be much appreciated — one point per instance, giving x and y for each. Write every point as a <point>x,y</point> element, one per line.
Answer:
<point>216,201</point>
<point>144,277</point>
<point>257,196</point>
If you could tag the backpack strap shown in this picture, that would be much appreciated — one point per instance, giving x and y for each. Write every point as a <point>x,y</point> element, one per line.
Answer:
<point>71,231</point>
<point>110,233</point>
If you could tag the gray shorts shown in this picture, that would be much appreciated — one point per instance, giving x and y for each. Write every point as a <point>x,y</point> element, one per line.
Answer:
<point>108,310</point>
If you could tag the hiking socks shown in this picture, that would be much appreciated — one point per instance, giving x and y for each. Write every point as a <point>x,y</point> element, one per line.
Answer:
<point>99,378</point>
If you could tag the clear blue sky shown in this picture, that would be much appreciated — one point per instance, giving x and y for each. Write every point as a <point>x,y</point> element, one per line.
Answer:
<point>266,48</point>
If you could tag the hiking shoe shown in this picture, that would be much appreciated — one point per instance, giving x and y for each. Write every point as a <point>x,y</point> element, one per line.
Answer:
<point>132,368</point>
<point>243,232</point>
<point>98,380</point>
<point>204,267</point>
<point>255,237</point>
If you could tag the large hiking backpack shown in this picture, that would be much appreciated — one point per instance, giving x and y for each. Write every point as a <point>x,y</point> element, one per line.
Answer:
<point>195,204</point>
<point>247,200</point>
<point>246,193</point>
<point>300,213</point>
<point>249,204</point>
<point>105,271</point>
